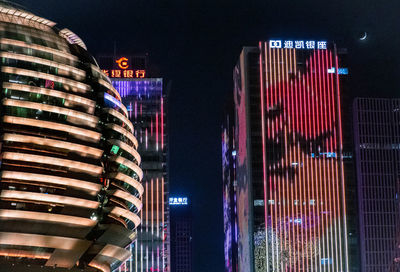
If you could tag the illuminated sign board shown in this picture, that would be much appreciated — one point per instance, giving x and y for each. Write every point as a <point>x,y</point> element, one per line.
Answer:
<point>178,201</point>
<point>341,71</point>
<point>122,63</point>
<point>298,44</point>
<point>124,71</point>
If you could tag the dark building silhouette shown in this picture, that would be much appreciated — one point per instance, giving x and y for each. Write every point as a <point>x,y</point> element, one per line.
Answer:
<point>181,234</point>
<point>377,145</point>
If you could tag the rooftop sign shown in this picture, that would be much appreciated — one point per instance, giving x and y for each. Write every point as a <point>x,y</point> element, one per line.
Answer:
<point>298,44</point>
<point>123,71</point>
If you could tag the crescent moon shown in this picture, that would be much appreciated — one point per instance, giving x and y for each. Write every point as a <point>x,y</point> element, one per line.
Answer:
<point>364,37</point>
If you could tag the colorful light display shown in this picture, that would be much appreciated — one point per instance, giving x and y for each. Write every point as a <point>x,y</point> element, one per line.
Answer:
<point>70,178</point>
<point>305,215</point>
<point>289,178</point>
<point>144,100</point>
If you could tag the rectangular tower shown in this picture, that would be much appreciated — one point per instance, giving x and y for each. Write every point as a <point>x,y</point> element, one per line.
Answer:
<point>289,168</point>
<point>181,234</point>
<point>377,142</point>
<point>145,99</point>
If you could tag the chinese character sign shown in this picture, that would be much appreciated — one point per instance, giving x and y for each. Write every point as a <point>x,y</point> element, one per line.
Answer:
<point>298,44</point>
<point>178,201</point>
<point>115,73</point>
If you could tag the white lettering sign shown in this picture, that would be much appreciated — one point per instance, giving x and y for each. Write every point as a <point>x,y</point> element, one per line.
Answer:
<point>298,44</point>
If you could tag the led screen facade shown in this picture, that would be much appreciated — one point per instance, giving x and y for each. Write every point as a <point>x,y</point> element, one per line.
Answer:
<point>290,179</point>
<point>302,168</point>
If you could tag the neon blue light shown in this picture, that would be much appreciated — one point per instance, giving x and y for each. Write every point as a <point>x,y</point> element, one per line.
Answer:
<point>325,261</point>
<point>324,154</point>
<point>112,99</point>
<point>295,221</point>
<point>178,201</point>
<point>331,70</point>
<point>341,71</point>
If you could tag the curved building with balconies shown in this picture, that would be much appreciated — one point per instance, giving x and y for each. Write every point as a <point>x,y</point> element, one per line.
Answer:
<point>70,176</point>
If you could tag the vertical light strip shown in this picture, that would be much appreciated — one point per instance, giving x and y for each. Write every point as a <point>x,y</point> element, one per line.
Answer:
<point>330,127</point>
<point>130,258</point>
<point>283,162</point>
<point>152,207</point>
<point>270,123</point>
<point>327,162</point>
<point>136,111</point>
<point>163,223</point>
<point>288,198</point>
<point>334,163</point>
<point>306,191</point>
<point>286,215</point>
<point>157,208</point>
<point>307,165</point>
<point>341,164</point>
<point>274,124</point>
<point>162,123</point>
<point>298,191</point>
<point>292,261</point>
<point>263,146</point>
<point>147,257</point>
<point>320,179</point>
<point>314,181</point>
<point>141,257</point>
<point>157,131</point>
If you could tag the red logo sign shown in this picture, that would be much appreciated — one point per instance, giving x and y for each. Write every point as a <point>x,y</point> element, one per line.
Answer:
<point>122,63</point>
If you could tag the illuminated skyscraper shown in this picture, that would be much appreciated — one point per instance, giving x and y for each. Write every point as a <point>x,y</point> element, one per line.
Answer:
<point>70,180</point>
<point>377,145</point>
<point>290,189</point>
<point>146,103</point>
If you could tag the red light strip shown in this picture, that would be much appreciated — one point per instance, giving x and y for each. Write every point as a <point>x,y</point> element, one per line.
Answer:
<point>287,151</point>
<point>333,147</point>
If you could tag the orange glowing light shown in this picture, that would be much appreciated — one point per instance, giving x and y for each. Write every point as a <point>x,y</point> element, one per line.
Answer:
<point>122,63</point>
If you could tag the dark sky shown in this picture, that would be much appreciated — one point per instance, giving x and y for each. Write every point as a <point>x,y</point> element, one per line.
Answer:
<point>196,44</point>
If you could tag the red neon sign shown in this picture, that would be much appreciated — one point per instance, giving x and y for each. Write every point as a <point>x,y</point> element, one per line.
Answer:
<point>124,72</point>
<point>115,73</point>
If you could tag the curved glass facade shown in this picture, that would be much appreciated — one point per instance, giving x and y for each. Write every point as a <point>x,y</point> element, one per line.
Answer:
<point>70,178</point>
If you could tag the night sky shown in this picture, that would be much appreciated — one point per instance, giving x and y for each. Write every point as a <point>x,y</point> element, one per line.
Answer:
<point>196,43</point>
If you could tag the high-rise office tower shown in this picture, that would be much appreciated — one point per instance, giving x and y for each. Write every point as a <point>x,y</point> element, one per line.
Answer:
<point>289,171</point>
<point>146,101</point>
<point>181,234</point>
<point>377,141</point>
<point>70,181</point>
